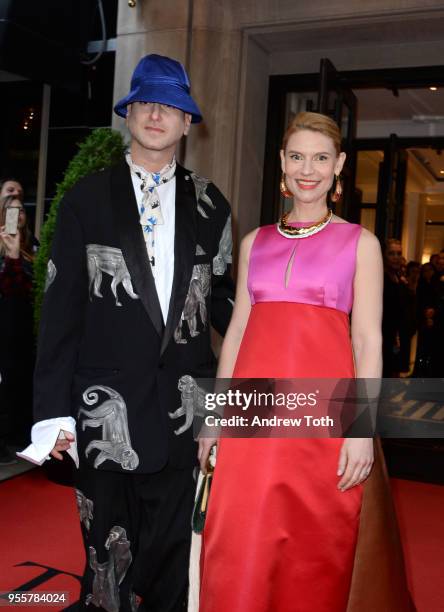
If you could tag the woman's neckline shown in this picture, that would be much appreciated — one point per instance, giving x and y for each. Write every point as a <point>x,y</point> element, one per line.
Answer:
<point>307,223</point>
<point>310,222</point>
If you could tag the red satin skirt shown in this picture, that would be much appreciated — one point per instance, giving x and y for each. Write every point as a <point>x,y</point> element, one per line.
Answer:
<point>279,535</point>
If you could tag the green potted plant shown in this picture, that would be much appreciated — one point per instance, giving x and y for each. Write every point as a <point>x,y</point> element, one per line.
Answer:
<point>103,147</point>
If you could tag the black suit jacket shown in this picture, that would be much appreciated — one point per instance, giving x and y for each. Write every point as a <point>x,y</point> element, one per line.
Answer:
<point>104,355</point>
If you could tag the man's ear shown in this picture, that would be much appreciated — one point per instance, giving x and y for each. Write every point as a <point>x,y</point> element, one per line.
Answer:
<point>128,112</point>
<point>187,119</point>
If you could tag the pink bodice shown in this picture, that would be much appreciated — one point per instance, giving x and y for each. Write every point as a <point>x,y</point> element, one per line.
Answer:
<point>322,266</point>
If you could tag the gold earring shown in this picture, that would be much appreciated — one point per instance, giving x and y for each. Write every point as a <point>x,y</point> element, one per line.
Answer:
<point>283,188</point>
<point>337,194</point>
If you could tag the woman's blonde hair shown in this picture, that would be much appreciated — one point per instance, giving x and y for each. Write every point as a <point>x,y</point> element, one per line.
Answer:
<point>316,122</point>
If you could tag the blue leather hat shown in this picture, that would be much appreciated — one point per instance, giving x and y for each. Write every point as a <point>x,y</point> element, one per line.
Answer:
<point>163,80</point>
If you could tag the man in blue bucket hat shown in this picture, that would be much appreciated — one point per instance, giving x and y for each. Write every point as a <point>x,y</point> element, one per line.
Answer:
<point>139,272</point>
<point>162,80</point>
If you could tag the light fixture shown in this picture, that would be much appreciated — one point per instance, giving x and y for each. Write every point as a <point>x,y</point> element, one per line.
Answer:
<point>28,120</point>
<point>441,171</point>
<point>433,88</point>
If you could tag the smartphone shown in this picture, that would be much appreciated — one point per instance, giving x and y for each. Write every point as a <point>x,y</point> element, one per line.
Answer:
<point>11,220</point>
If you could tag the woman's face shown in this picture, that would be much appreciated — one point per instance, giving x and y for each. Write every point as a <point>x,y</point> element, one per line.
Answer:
<point>310,163</point>
<point>11,188</point>
<point>22,213</point>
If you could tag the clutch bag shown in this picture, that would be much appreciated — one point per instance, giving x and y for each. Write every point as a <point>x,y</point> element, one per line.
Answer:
<point>201,502</point>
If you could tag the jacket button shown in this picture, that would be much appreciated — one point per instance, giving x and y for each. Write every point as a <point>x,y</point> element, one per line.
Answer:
<point>161,365</point>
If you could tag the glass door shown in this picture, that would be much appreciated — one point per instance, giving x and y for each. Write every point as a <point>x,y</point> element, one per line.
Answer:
<point>391,191</point>
<point>340,103</point>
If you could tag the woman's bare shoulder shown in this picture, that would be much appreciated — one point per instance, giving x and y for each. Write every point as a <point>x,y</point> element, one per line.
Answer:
<point>248,239</point>
<point>369,247</point>
<point>368,239</point>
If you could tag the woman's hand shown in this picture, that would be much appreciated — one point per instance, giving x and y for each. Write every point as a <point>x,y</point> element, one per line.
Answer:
<point>11,242</point>
<point>355,462</point>
<point>205,446</point>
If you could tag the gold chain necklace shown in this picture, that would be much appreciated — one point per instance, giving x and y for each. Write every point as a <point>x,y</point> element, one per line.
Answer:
<point>302,232</point>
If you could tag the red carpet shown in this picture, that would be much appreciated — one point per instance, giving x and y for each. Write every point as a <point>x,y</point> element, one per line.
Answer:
<point>39,524</point>
<point>40,527</point>
<point>420,510</point>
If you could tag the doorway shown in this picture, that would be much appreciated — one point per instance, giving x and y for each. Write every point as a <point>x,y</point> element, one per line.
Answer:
<point>399,189</point>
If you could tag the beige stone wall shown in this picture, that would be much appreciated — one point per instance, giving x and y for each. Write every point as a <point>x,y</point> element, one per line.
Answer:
<point>233,47</point>
<point>250,137</point>
<point>214,72</point>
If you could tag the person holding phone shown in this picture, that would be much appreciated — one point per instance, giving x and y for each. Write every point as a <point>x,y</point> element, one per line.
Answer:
<point>17,345</point>
<point>16,248</point>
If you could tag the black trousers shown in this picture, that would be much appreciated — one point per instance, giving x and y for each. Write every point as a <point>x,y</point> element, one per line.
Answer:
<point>137,534</point>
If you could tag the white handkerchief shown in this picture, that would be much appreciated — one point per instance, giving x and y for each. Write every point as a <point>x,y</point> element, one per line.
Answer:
<point>43,438</point>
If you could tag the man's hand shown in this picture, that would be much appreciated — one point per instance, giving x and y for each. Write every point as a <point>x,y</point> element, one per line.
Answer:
<point>355,462</point>
<point>205,446</point>
<point>63,443</point>
<point>11,242</point>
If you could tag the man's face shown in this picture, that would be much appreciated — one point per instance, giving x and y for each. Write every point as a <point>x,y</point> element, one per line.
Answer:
<point>157,127</point>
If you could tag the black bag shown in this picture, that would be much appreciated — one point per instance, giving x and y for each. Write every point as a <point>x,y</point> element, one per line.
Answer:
<point>201,503</point>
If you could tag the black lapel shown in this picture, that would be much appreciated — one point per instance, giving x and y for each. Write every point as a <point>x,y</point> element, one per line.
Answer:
<point>184,249</point>
<point>133,244</point>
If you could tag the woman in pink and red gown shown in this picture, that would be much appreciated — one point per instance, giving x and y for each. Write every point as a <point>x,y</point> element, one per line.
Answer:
<point>303,525</point>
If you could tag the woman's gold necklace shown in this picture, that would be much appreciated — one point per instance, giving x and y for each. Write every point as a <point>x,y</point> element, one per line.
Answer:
<point>302,232</point>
